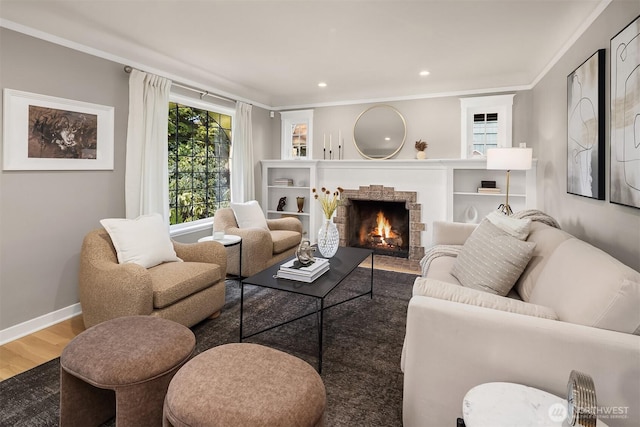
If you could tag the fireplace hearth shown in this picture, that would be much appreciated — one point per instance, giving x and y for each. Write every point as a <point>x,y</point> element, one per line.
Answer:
<point>382,219</point>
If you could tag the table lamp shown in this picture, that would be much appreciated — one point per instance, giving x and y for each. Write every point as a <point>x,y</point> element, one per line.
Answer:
<point>508,159</point>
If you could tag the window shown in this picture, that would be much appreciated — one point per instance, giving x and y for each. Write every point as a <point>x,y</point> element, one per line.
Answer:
<point>485,132</point>
<point>199,149</point>
<point>485,123</point>
<point>297,131</point>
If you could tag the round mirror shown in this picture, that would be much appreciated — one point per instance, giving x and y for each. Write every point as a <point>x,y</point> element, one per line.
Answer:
<point>379,132</point>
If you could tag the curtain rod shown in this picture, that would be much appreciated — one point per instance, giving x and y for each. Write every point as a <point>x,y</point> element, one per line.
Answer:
<point>203,93</point>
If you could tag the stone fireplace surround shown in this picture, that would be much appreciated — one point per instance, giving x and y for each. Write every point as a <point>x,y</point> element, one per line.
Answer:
<point>386,194</point>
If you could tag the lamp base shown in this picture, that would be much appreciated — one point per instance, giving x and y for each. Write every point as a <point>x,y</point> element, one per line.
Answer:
<point>505,209</point>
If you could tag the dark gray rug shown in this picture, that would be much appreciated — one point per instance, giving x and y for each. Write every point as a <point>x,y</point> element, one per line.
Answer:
<point>361,360</point>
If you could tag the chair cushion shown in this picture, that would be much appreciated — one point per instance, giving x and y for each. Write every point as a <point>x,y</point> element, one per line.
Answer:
<point>284,240</point>
<point>546,239</point>
<point>175,281</point>
<point>144,240</point>
<point>456,293</point>
<point>249,215</point>
<point>491,260</point>
<point>585,285</point>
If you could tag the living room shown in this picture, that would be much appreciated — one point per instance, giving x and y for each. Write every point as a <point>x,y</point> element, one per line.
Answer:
<point>46,214</point>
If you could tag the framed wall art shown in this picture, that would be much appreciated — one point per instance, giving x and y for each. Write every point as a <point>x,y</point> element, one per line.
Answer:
<point>625,116</point>
<point>47,133</point>
<point>585,128</point>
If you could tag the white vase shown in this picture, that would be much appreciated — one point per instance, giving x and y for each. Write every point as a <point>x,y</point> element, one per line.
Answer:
<point>421,155</point>
<point>328,239</point>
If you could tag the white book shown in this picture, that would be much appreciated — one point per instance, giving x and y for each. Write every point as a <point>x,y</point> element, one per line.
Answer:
<point>302,277</point>
<point>318,264</point>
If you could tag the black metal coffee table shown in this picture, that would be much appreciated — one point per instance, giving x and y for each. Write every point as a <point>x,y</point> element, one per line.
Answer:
<point>341,265</point>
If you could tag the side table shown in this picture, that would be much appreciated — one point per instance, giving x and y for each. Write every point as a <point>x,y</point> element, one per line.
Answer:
<point>228,240</point>
<point>508,404</point>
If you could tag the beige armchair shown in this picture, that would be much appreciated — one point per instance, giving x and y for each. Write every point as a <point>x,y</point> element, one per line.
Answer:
<point>185,292</point>
<point>260,248</point>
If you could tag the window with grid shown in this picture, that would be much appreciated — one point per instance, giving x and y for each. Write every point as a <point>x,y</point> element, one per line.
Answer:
<point>199,148</point>
<point>299,139</point>
<point>485,132</point>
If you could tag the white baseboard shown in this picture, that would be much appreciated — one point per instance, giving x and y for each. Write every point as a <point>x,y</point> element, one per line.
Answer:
<point>30,326</point>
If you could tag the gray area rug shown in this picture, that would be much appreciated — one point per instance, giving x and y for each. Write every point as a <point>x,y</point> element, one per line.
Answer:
<point>361,360</point>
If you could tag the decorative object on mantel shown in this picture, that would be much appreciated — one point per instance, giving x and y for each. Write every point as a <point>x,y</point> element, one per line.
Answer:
<point>300,201</point>
<point>421,146</point>
<point>379,132</point>
<point>328,236</point>
<point>508,159</point>
<point>582,406</point>
<point>324,146</point>
<point>281,204</point>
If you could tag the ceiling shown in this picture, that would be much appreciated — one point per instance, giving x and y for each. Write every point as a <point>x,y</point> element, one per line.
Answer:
<point>274,53</point>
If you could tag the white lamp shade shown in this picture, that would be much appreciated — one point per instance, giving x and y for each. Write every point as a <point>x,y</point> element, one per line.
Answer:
<point>509,158</point>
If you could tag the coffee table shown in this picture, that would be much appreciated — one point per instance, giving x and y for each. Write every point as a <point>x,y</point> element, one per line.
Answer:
<point>341,265</point>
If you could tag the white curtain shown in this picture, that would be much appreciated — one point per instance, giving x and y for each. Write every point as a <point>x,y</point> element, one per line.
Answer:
<point>242,182</point>
<point>146,179</point>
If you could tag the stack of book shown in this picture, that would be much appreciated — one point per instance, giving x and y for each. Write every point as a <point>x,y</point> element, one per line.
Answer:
<point>488,190</point>
<point>283,181</point>
<point>488,187</point>
<point>293,270</point>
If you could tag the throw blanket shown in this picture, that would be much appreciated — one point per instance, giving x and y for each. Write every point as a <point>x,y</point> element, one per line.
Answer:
<point>453,250</point>
<point>435,252</point>
<point>536,215</point>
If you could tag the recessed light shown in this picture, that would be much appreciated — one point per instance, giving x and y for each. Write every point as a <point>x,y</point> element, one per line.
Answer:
<point>424,73</point>
<point>322,84</point>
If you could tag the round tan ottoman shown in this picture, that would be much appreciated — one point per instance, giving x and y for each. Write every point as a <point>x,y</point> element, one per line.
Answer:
<point>245,385</point>
<point>121,367</point>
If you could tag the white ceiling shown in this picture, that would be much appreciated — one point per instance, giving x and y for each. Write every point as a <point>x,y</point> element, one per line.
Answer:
<point>274,53</point>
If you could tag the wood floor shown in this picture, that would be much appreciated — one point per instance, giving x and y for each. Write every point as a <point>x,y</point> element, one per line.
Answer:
<point>47,344</point>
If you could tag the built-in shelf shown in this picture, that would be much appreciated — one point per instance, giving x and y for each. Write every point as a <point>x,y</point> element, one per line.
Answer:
<point>303,174</point>
<point>463,193</point>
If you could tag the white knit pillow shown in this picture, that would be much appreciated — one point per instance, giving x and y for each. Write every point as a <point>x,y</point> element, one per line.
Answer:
<point>518,228</point>
<point>249,215</point>
<point>144,240</point>
<point>491,260</point>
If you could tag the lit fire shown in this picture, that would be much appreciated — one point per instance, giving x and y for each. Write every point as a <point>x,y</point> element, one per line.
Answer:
<point>383,228</point>
<point>379,233</point>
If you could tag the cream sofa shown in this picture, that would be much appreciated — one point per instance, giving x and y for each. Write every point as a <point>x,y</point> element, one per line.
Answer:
<point>457,338</point>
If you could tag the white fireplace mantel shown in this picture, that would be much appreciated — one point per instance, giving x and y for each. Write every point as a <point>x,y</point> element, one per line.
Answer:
<point>444,187</point>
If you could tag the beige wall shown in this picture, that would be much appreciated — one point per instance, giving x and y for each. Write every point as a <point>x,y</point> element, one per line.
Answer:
<point>45,215</point>
<point>613,228</point>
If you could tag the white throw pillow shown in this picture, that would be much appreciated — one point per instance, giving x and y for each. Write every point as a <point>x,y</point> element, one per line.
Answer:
<point>144,240</point>
<point>518,228</point>
<point>491,260</point>
<point>249,215</point>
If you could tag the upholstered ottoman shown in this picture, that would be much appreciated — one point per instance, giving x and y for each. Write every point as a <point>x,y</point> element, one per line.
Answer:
<point>245,385</point>
<point>122,366</point>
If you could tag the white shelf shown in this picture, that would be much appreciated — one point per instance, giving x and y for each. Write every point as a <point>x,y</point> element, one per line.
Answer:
<point>289,213</point>
<point>464,193</point>
<point>288,187</point>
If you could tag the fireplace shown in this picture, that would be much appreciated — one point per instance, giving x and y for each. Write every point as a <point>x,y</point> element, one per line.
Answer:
<point>381,226</point>
<point>400,229</point>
